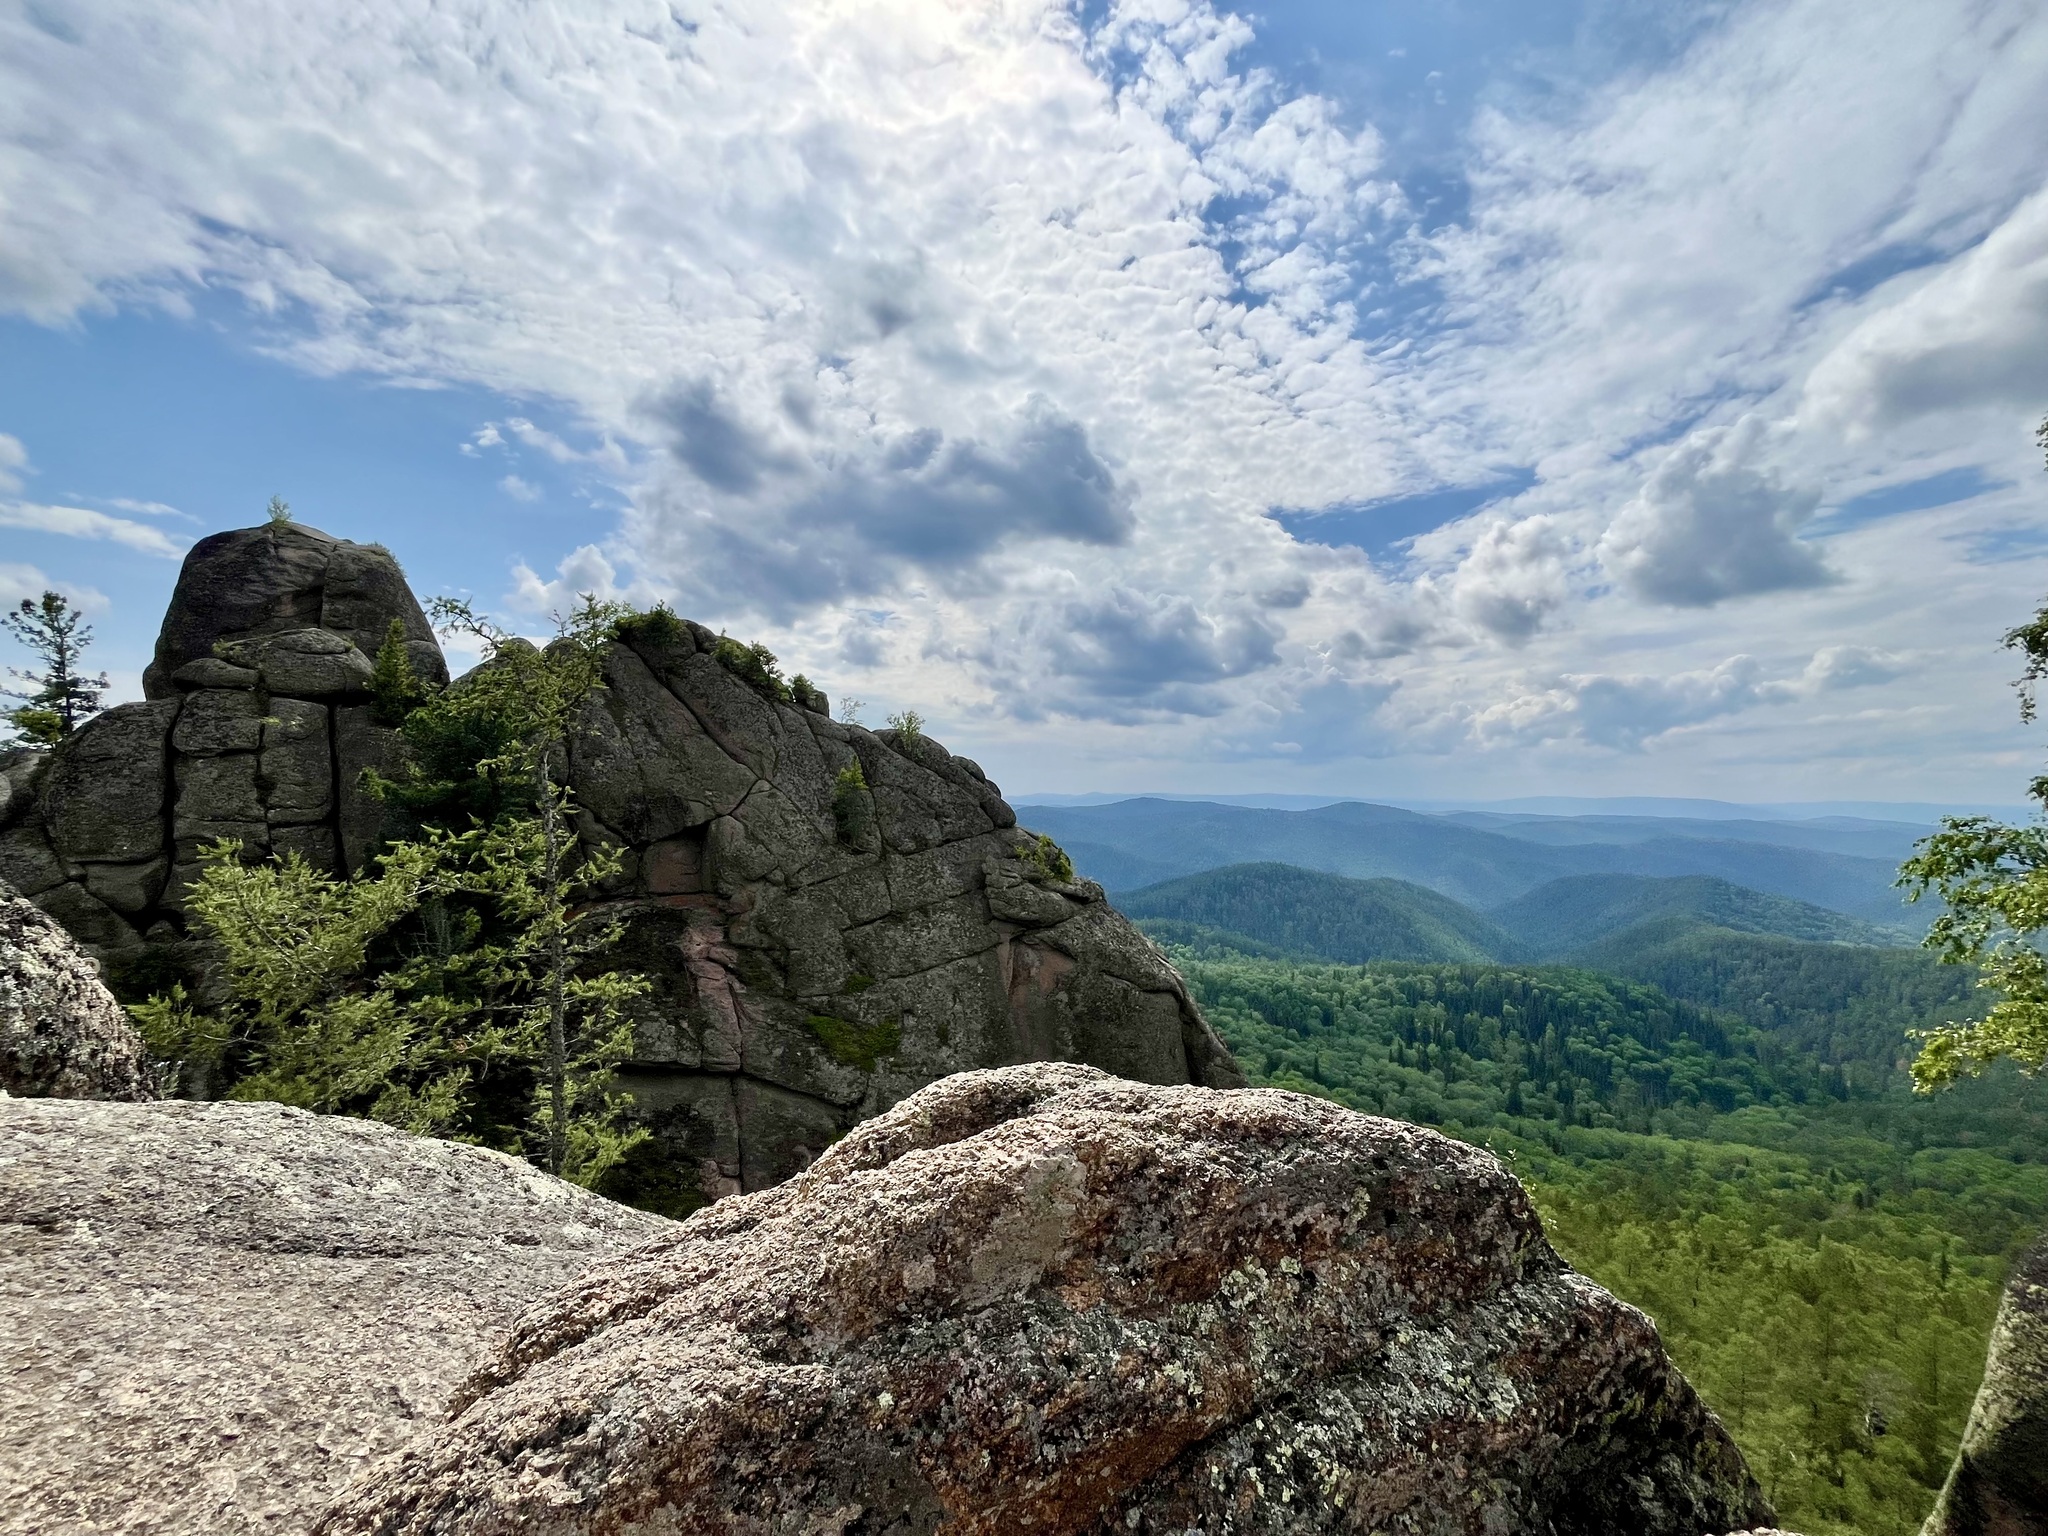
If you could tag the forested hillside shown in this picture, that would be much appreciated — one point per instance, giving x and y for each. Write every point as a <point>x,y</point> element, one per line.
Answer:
<point>1308,913</point>
<point>1568,914</point>
<point>1846,1003</point>
<point>1821,1250</point>
<point>1317,916</point>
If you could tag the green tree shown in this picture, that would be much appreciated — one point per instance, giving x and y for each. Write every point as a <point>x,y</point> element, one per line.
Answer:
<point>1993,878</point>
<point>60,697</point>
<point>457,991</point>
<point>533,698</point>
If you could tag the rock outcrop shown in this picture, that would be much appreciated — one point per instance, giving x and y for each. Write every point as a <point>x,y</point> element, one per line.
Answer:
<point>1999,1483</point>
<point>215,1314</point>
<point>62,1035</point>
<point>1042,1300</point>
<point>819,944</point>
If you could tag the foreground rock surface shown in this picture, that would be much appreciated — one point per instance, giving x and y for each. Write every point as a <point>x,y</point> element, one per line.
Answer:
<point>62,1035</point>
<point>212,1315</point>
<point>830,917</point>
<point>1042,1300</point>
<point>1999,1483</point>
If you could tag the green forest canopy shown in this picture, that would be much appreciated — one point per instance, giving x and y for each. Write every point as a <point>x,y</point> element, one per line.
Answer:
<point>1822,1250</point>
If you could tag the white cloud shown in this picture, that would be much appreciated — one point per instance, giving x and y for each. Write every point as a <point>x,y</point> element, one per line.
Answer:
<point>1836,667</point>
<point>968,348</point>
<point>585,572</point>
<point>1712,523</point>
<point>83,523</point>
<point>1625,711</point>
<point>150,509</point>
<point>1974,333</point>
<point>27,582</point>
<point>13,461</point>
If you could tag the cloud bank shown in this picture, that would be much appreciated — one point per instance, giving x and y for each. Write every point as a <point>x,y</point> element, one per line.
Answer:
<point>965,349</point>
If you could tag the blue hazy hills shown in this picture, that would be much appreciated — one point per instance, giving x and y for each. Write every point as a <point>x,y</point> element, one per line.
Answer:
<point>1485,860</point>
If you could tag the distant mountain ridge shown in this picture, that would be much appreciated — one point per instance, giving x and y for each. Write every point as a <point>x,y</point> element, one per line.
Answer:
<point>1279,908</point>
<point>1135,843</point>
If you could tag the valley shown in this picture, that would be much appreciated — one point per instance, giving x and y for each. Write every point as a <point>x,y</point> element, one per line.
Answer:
<point>1701,1082</point>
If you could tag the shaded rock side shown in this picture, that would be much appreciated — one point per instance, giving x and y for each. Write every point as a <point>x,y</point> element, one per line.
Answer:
<point>62,1035</point>
<point>833,918</point>
<point>1999,1483</point>
<point>215,1314</point>
<point>257,726</point>
<point>239,586</point>
<point>830,917</point>
<point>1043,1300</point>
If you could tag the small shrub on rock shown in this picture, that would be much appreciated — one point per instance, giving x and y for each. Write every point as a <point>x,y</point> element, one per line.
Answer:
<point>1049,859</point>
<point>853,809</point>
<point>397,688</point>
<point>908,724</point>
<point>808,696</point>
<point>755,665</point>
<point>657,625</point>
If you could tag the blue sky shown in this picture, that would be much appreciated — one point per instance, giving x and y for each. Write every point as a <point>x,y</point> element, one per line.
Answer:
<point>1404,398</point>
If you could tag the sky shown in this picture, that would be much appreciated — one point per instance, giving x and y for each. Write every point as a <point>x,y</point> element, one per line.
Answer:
<point>1438,398</point>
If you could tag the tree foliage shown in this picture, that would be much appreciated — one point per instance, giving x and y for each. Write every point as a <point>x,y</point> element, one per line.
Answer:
<point>59,697</point>
<point>1993,880</point>
<point>459,990</point>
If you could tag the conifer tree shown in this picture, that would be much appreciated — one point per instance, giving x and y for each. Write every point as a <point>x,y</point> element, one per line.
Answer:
<point>427,993</point>
<point>60,697</point>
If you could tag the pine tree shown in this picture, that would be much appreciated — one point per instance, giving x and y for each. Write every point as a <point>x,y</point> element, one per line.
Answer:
<point>60,697</point>
<point>532,697</point>
<point>456,992</point>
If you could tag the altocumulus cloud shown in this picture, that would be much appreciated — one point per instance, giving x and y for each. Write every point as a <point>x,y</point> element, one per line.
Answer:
<point>969,344</point>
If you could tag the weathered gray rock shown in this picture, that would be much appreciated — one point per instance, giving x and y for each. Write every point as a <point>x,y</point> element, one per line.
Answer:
<point>297,763</point>
<point>363,823</point>
<point>62,1035</point>
<point>27,861</point>
<point>252,582</point>
<point>1042,1300</point>
<point>815,953</point>
<point>1999,1483</point>
<point>103,794</point>
<point>306,663</point>
<point>811,967</point>
<point>212,1315</point>
<point>21,769</point>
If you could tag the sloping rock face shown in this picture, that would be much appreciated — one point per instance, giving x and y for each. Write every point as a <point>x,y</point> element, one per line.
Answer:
<point>1042,1300</point>
<point>62,1035</point>
<point>1999,1483</point>
<point>212,1315</point>
<point>816,951</point>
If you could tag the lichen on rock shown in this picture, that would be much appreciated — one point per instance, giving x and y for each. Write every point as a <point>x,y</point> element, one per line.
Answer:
<point>1043,1300</point>
<point>62,1035</point>
<point>216,1314</point>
